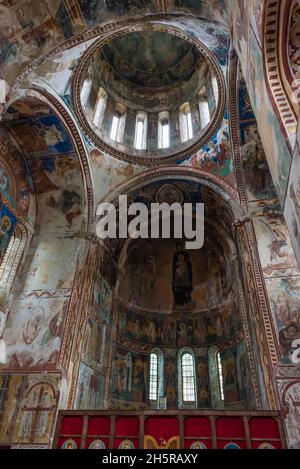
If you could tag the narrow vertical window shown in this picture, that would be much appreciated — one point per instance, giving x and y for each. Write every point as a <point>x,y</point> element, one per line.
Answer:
<point>186,124</point>
<point>153,378</point>
<point>140,141</point>
<point>85,92</point>
<point>188,378</point>
<point>220,373</point>
<point>100,108</point>
<point>163,130</point>
<point>118,123</point>
<point>215,87</point>
<point>204,109</point>
<point>114,127</point>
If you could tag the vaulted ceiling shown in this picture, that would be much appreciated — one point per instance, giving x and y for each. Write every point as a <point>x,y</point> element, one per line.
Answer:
<point>31,29</point>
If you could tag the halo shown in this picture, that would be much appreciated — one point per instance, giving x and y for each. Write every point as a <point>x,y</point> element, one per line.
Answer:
<point>6,218</point>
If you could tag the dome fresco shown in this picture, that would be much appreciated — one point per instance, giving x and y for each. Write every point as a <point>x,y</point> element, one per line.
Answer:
<point>151,59</point>
<point>158,77</point>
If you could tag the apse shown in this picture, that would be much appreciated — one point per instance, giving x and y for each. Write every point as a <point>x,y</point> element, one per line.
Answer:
<point>178,309</point>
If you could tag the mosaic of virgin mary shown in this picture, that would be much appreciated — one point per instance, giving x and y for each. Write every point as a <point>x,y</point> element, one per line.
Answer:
<point>182,284</point>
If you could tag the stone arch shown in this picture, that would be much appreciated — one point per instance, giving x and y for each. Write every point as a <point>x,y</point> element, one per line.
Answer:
<point>277,70</point>
<point>46,96</point>
<point>214,182</point>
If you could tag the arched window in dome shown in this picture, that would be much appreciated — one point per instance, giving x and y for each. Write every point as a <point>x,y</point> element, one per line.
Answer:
<point>156,374</point>
<point>140,141</point>
<point>204,108</point>
<point>214,83</point>
<point>220,375</point>
<point>85,92</point>
<point>100,107</point>
<point>187,379</point>
<point>118,123</point>
<point>186,123</point>
<point>163,130</point>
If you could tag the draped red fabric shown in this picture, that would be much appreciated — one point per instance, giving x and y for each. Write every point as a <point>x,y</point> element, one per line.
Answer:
<point>230,431</point>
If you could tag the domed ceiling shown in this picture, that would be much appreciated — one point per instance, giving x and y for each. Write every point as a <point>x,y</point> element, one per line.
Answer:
<point>151,59</point>
<point>156,71</point>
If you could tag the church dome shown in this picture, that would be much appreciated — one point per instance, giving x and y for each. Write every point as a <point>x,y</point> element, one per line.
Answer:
<point>150,95</point>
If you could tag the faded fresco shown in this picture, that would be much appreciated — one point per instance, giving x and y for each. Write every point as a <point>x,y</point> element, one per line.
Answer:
<point>284,296</point>
<point>200,329</point>
<point>94,344</point>
<point>30,30</point>
<point>52,160</point>
<point>90,388</point>
<point>256,171</point>
<point>36,411</point>
<point>130,377</point>
<point>10,394</point>
<point>235,374</point>
<point>103,298</point>
<point>274,245</point>
<point>203,386</point>
<point>276,149</point>
<point>33,334</point>
<point>292,203</point>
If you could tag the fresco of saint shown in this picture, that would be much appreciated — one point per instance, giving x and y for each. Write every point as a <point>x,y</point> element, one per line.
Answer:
<point>182,284</point>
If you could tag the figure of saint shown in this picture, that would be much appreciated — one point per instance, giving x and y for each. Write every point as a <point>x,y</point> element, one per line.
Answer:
<point>151,333</point>
<point>182,284</point>
<point>33,325</point>
<point>230,376</point>
<point>200,331</point>
<point>182,338</point>
<point>219,326</point>
<point>54,327</point>
<point>278,247</point>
